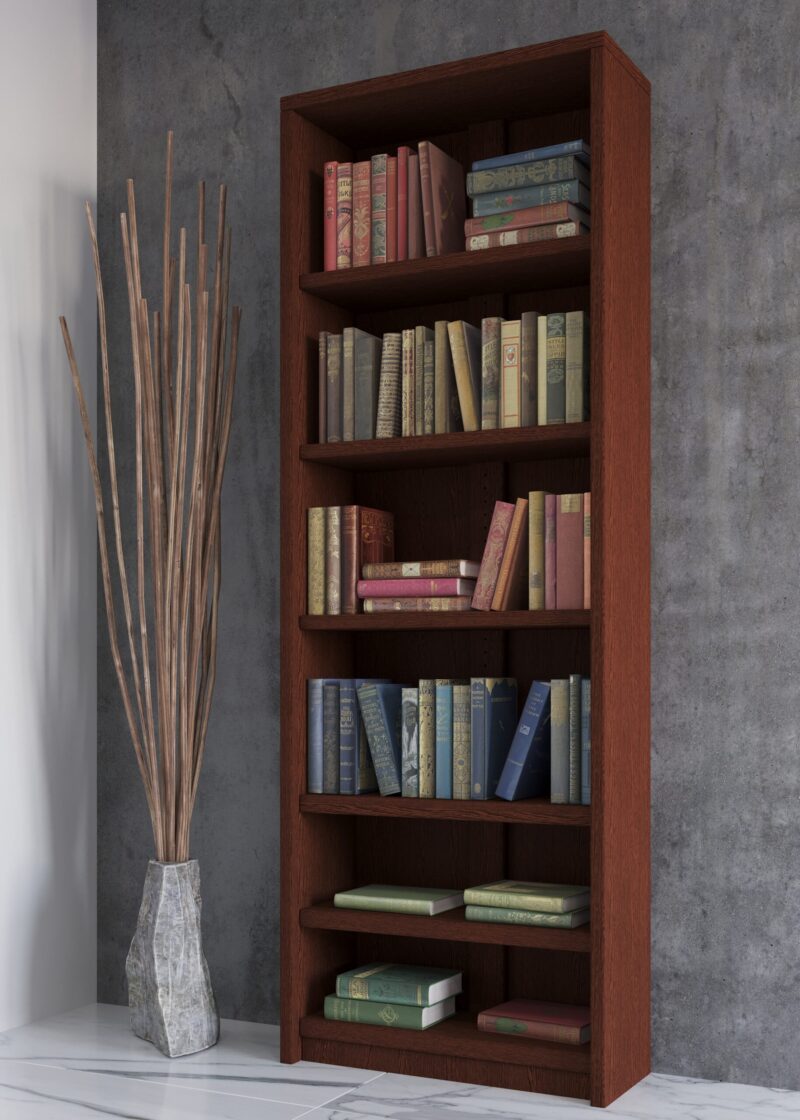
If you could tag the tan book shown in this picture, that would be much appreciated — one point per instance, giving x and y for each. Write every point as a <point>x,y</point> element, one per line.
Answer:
<point>417,603</point>
<point>333,560</point>
<point>465,345</point>
<point>541,370</point>
<point>587,551</point>
<point>536,550</point>
<point>462,743</point>
<point>421,336</point>
<point>316,560</point>
<point>387,425</point>
<point>428,405</point>
<point>409,383</point>
<point>427,738</point>
<point>509,592</point>
<point>510,374</point>
<point>447,412</point>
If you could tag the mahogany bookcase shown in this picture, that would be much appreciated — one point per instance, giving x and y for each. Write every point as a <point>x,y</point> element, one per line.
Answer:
<point>442,489</point>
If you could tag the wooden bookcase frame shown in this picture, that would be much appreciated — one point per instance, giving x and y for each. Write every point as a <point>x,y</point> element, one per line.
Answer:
<point>442,489</point>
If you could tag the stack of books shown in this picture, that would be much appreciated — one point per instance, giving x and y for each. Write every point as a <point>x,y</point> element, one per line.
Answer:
<point>454,377</point>
<point>420,585</point>
<point>341,539</point>
<point>392,207</point>
<point>531,1018</point>
<point>532,904</point>
<point>534,195</point>
<point>412,997</point>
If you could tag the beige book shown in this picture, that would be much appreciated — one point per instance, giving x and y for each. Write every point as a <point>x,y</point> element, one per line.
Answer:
<point>536,550</point>
<point>510,374</point>
<point>316,560</point>
<point>541,370</point>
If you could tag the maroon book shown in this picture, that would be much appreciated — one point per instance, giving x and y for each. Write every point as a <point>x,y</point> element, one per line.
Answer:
<point>569,552</point>
<point>367,538</point>
<point>492,556</point>
<point>391,208</point>
<point>550,552</point>
<point>416,232</point>
<point>403,155</point>
<point>329,215</point>
<point>449,201</point>
<point>532,1018</point>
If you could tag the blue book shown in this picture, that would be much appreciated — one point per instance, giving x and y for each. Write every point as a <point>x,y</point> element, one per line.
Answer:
<point>314,764</point>
<point>380,710</point>
<point>586,742</point>
<point>527,769</point>
<point>347,737</point>
<point>577,148</point>
<point>330,736</point>
<point>493,719</point>
<point>444,739</point>
<point>520,198</point>
<point>365,780</point>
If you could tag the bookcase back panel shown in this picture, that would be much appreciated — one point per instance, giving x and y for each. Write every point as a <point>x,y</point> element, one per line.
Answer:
<point>542,655</point>
<point>539,854</point>
<point>433,853</point>
<point>557,476</point>
<point>409,656</point>
<point>548,975</point>
<point>536,132</point>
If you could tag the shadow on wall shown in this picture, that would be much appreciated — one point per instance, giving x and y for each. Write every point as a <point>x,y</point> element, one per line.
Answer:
<point>49,759</point>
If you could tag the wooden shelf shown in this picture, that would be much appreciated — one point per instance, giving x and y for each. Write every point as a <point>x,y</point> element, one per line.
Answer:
<point>450,926</point>
<point>510,268</point>
<point>449,620</point>
<point>534,810</point>
<point>558,441</point>
<point>459,1037</point>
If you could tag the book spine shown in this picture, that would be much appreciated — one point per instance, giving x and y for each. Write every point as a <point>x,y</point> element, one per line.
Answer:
<point>478,712</point>
<point>427,738</point>
<point>559,743</point>
<point>447,413</point>
<point>569,552</point>
<point>526,235</point>
<point>362,190</point>
<point>376,536</point>
<point>344,215</point>
<point>418,603</point>
<point>366,782</point>
<point>428,407</point>
<point>574,739</point>
<point>347,737</point>
<point>419,381</point>
<point>426,194</point>
<point>403,154</point>
<point>367,369</point>
<point>444,739</point>
<point>510,917</point>
<point>521,775</point>
<point>527,368</point>
<point>421,569</point>
<point>586,742</point>
<point>384,905</point>
<point>510,586</point>
<point>378,209</point>
<point>348,599</point>
<point>409,384</point>
<point>329,216</point>
<point>533,173</point>
<point>492,556</point>
<point>543,1032</point>
<point>322,412</point>
<point>316,560</point>
<point>400,588</point>
<point>575,363</point>
<point>379,735</point>
<point>462,743</point>
<point>567,148</point>
<point>416,233</point>
<point>466,394</point>
<point>541,370</point>
<point>387,425</point>
<point>536,550</point>
<point>333,559</point>
<point>391,208</point>
<point>330,737</point>
<point>491,329</point>
<point>556,368</point>
<point>409,743</point>
<point>587,551</point>
<point>499,202</point>
<point>549,214</point>
<point>373,1014</point>
<point>348,385</point>
<point>550,552</point>
<point>379,989</point>
<point>334,393</point>
<point>510,384</point>
<point>509,900</point>
<point>314,766</point>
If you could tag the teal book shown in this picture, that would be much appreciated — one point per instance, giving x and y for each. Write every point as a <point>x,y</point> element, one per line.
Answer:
<point>347,736</point>
<point>380,710</point>
<point>367,361</point>
<point>556,368</point>
<point>330,736</point>
<point>400,900</point>
<point>559,742</point>
<point>409,743</point>
<point>314,757</point>
<point>574,739</point>
<point>515,894</point>
<point>365,779</point>
<point>334,388</point>
<point>444,739</point>
<point>520,198</point>
<point>586,742</point>
<point>399,983</point>
<point>526,772</point>
<point>493,720</point>
<point>527,174</point>
<point>503,915</point>
<point>387,1014</point>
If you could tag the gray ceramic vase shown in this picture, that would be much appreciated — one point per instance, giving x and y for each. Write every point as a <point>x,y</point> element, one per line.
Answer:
<point>169,989</point>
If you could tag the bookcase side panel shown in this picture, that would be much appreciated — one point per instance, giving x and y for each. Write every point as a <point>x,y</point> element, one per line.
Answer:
<point>620,466</point>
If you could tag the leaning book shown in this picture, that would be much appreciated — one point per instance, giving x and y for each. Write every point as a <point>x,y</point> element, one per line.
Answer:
<point>400,900</point>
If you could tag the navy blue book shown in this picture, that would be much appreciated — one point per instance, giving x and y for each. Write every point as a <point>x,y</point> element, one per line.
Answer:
<point>493,719</point>
<point>520,198</point>
<point>527,769</point>
<point>577,148</point>
<point>586,742</point>
<point>380,710</point>
<point>330,736</point>
<point>314,764</point>
<point>347,736</point>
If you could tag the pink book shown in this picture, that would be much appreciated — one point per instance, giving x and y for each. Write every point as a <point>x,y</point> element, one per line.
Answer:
<point>492,556</point>
<point>416,234</point>
<point>569,552</point>
<point>550,1022</point>
<point>391,208</point>
<point>530,216</point>
<point>362,190</point>
<point>550,552</point>
<point>402,203</point>
<point>394,588</point>
<point>587,551</point>
<point>344,215</point>
<point>329,216</point>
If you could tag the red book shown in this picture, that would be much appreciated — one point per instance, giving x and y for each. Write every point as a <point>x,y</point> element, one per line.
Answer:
<point>367,538</point>
<point>394,588</point>
<point>587,551</point>
<point>449,201</point>
<point>391,208</point>
<point>569,552</point>
<point>329,216</point>
<point>427,198</point>
<point>492,556</point>
<point>550,552</point>
<point>416,232</point>
<point>361,213</point>
<point>511,589</point>
<point>530,216</point>
<point>344,215</point>
<point>378,210</point>
<point>402,203</point>
<point>532,1018</point>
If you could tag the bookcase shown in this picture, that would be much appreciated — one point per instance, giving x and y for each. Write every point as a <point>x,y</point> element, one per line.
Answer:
<point>442,489</point>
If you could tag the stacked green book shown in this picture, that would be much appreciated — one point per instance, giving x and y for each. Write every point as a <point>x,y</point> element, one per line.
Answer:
<point>531,904</point>
<point>394,995</point>
<point>400,900</point>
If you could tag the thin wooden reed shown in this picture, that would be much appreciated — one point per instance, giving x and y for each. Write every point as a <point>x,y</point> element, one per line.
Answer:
<point>183,367</point>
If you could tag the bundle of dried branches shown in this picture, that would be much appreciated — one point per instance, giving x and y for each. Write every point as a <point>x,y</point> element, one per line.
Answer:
<point>183,392</point>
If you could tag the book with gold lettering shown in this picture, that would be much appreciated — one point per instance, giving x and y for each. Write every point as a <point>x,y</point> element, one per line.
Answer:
<point>377,1014</point>
<point>412,985</point>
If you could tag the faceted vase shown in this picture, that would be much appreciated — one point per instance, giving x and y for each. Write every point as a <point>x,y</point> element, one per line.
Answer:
<point>169,989</point>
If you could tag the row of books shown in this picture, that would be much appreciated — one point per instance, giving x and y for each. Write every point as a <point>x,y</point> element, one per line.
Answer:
<point>535,195</point>
<point>450,739</point>
<point>392,207</point>
<point>454,377</point>
<point>341,541</point>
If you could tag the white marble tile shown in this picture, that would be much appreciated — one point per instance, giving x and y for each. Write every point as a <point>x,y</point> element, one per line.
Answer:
<point>98,1039</point>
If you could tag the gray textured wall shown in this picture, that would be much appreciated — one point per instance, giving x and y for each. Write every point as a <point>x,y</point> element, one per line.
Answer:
<point>726,460</point>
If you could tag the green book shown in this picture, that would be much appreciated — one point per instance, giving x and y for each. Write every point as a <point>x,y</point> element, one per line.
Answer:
<point>334,388</point>
<point>577,367</point>
<point>556,368</point>
<point>427,738</point>
<point>559,742</point>
<point>528,355</point>
<point>506,916</point>
<point>549,898</point>
<point>387,1014</point>
<point>400,900</point>
<point>399,983</point>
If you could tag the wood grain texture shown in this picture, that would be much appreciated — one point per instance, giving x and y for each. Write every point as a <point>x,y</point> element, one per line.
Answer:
<point>448,620</point>
<point>535,810</point>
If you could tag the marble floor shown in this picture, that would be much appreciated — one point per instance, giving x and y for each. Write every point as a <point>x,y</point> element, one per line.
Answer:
<point>88,1064</point>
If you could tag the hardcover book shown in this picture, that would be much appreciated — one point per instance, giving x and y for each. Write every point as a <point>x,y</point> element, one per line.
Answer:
<point>447,410</point>
<point>559,742</point>
<point>426,198</point>
<point>400,900</point>
<point>536,500</point>
<point>505,916</point>
<point>493,721</point>
<point>348,384</point>
<point>378,209</point>
<point>421,336</point>
<point>556,368</point>
<point>549,214</point>
<point>333,559</point>
<point>423,569</point>
<point>427,738</point>
<point>491,329</point>
<point>525,235</point>
<point>547,1022</point>
<point>419,603</point>
<point>510,591</point>
<point>344,215</point>
<point>574,739</point>
<point>367,537</point>
<point>348,736</point>
<point>444,739</point>
<point>577,148</point>
<point>330,736</point>
<point>322,411</point>
<point>515,894</point>
<point>526,772</point>
<point>462,743</point>
<point>412,985</point>
<point>362,225</point>
<point>416,232</point>
<point>388,425</point>
<point>380,710</point>
<point>521,198</point>
<point>316,560</point>
<point>569,552</point>
<point>409,382</point>
<point>528,353</point>
<point>586,741</point>
<point>409,743</point>
<point>367,370</point>
<point>366,780</point>
<point>510,375</point>
<point>587,551</point>
<point>368,588</point>
<point>403,154</point>
<point>429,388</point>
<point>576,363</point>
<point>329,216</point>
<point>550,551</point>
<point>391,209</point>
<point>541,369</point>
<point>465,346</point>
<point>445,177</point>
<point>514,175</point>
<point>314,763</point>
<point>334,391</point>
<point>492,556</point>
<point>388,1014</point>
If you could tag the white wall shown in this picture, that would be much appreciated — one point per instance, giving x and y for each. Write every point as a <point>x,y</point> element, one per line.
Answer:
<point>48,147</point>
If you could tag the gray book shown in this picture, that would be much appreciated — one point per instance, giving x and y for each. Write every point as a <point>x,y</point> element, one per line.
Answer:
<point>577,367</point>
<point>447,410</point>
<point>428,413</point>
<point>421,336</point>
<point>409,743</point>
<point>367,369</point>
<point>490,372</point>
<point>556,368</point>
<point>388,421</point>
<point>528,321</point>
<point>334,395</point>
<point>559,742</point>
<point>574,739</point>
<point>348,384</point>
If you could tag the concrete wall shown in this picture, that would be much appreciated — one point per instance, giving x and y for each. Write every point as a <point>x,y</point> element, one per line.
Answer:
<point>726,457</point>
<point>48,680</point>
